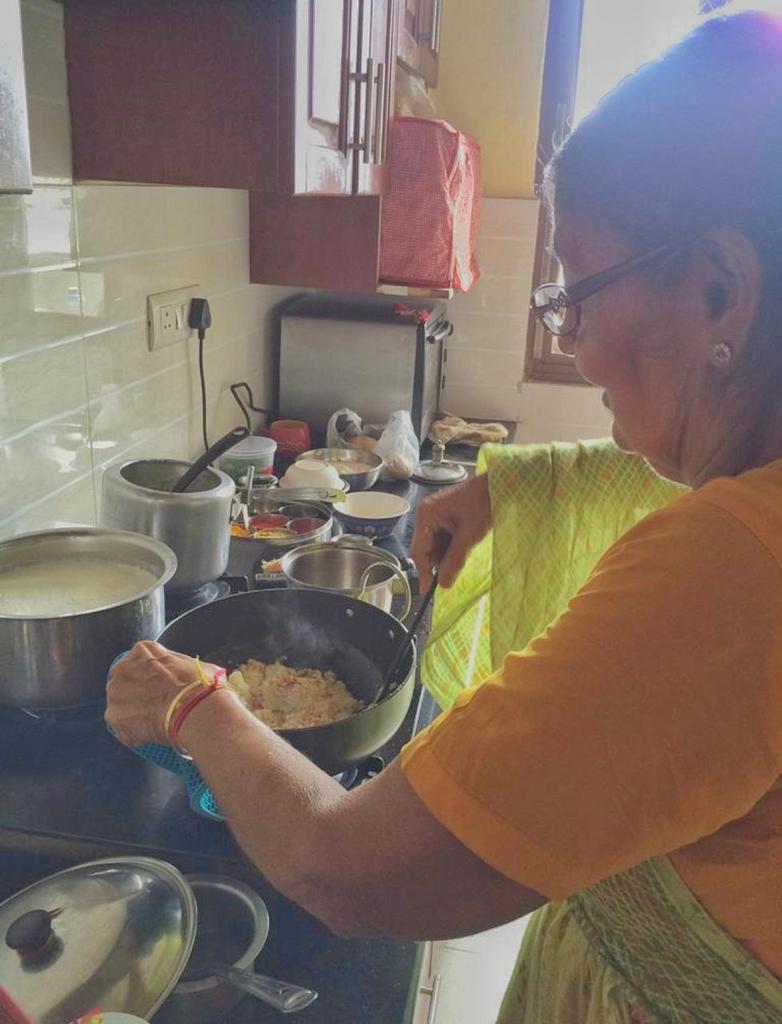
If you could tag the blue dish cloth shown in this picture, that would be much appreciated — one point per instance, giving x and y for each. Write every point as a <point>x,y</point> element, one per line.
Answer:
<point>199,794</point>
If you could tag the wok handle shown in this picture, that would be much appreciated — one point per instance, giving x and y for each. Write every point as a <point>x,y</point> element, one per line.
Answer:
<point>364,585</point>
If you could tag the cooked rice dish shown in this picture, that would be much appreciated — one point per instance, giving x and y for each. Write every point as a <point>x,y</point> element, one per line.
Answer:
<point>292,698</point>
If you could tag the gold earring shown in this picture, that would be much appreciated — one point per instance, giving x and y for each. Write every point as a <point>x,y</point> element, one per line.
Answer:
<point>722,354</point>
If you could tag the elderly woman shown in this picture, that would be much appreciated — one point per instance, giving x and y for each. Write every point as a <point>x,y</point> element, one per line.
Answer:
<point>622,773</point>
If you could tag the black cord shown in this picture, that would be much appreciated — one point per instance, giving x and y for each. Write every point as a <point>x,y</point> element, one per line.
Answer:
<point>202,375</point>
<point>247,403</point>
<point>199,318</point>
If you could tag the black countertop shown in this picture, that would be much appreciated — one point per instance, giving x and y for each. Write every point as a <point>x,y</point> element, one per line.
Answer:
<point>71,793</point>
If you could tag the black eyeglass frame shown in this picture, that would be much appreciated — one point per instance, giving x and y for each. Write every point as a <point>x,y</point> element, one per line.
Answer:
<point>572,296</point>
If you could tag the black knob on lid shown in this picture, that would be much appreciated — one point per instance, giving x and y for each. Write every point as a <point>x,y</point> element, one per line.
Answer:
<point>30,933</point>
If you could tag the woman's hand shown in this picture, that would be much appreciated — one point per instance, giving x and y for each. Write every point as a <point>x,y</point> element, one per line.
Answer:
<point>447,527</point>
<point>141,686</point>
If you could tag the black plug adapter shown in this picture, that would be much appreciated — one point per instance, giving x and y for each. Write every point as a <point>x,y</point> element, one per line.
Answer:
<point>199,316</point>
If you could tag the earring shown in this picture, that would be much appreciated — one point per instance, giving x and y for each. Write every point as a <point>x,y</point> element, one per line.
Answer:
<point>722,354</point>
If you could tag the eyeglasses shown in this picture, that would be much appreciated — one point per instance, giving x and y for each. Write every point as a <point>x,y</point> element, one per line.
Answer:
<point>559,308</point>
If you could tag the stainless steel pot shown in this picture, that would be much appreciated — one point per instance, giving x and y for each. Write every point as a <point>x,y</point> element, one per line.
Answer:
<point>61,662</point>
<point>351,567</point>
<point>236,922</point>
<point>195,525</point>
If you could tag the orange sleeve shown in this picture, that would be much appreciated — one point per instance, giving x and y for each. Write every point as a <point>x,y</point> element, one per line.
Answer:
<point>646,717</point>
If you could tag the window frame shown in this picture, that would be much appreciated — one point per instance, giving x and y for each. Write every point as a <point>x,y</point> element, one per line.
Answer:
<point>558,96</point>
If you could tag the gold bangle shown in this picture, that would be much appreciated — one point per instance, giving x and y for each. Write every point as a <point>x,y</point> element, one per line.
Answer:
<point>197,685</point>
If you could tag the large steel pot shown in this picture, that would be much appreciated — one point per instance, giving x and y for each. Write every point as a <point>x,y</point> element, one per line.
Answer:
<point>352,567</point>
<point>310,629</point>
<point>61,662</point>
<point>137,496</point>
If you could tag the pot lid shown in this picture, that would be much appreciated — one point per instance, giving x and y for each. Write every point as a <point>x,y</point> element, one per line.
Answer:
<point>438,470</point>
<point>112,934</point>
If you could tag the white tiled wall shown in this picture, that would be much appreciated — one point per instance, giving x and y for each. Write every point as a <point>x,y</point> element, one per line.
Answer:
<point>78,388</point>
<point>486,351</point>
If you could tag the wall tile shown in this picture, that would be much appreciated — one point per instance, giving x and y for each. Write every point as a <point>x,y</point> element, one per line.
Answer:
<point>41,385</point>
<point>38,309</point>
<point>125,219</point>
<point>479,331</point>
<point>473,401</point>
<point>509,218</point>
<point>44,461</point>
<point>37,230</point>
<point>72,506</point>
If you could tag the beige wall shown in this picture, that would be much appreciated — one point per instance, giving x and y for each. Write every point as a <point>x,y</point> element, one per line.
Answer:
<point>486,351</point>
<point>78,388</point>
<point>491,68</point>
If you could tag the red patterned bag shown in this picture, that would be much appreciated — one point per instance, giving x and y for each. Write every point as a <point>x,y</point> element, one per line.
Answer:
<point>432,206</point>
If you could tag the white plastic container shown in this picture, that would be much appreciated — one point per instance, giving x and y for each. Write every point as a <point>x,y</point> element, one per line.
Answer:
<point>252,451</point>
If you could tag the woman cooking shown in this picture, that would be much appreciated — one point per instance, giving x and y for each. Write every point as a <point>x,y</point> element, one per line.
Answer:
<point>621,775</point>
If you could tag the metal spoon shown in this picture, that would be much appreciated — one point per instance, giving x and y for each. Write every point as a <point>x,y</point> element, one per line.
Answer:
<point>406,640</point>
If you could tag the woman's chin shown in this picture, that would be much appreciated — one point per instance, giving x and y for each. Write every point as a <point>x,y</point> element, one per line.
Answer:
<point>619,439</point>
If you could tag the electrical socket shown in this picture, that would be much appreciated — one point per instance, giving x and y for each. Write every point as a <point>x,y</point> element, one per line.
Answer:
<point>167,316</point>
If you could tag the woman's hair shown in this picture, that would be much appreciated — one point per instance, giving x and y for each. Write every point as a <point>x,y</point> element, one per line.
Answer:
<point>688,142</point>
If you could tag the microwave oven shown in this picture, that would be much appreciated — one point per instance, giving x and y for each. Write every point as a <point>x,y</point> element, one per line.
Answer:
<point>373,354</point>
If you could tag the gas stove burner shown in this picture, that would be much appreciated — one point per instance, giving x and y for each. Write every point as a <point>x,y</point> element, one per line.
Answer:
<point>179,603</point>
<point>359,773</point>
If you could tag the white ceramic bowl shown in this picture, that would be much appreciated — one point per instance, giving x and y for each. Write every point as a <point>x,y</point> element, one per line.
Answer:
<point>374,514</point>
<point>311,473</point>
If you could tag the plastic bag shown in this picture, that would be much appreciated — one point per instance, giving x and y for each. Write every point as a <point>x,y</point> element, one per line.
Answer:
<point>343,425</point>
<point>398,447</point>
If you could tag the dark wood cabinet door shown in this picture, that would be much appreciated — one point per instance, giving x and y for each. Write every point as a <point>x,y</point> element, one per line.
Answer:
<point>317,58</point>
<point>419,37</point>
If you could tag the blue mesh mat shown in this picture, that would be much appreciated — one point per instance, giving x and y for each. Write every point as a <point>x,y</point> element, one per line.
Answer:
<point>199,794</point>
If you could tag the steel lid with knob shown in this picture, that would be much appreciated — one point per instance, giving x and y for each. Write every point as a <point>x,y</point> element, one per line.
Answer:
<point>134,936</point>
<point>113,933</point>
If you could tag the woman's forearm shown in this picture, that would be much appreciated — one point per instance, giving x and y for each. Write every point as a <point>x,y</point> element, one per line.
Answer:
<point>276,802</point>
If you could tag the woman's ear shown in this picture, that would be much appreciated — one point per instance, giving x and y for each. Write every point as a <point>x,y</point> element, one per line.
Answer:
<point>729,276</point>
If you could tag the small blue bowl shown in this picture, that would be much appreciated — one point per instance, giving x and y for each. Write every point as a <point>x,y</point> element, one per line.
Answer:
<point>373,514</point>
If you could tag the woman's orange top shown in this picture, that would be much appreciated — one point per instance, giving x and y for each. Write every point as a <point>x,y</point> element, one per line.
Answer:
<point>646,720</point>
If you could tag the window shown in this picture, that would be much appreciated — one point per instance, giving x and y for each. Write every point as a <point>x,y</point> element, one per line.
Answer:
<point>590,46</point>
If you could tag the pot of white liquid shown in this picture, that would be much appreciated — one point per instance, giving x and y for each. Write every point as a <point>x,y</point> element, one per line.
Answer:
<point>70,601</point>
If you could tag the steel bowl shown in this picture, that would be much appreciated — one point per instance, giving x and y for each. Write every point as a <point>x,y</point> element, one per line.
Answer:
<point>339,456</point>
<point>61,662</point>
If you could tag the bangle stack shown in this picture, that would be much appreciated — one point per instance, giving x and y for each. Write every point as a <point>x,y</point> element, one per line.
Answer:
<point>189,697</point>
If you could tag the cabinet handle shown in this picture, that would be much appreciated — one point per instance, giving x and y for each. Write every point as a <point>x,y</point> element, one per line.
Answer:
<point>433,992</point>
<point>380,115</point>
<point>434,44</point>
<point>366,145</point>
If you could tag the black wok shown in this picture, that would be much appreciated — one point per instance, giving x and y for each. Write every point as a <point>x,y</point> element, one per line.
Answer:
<point>310,629</point>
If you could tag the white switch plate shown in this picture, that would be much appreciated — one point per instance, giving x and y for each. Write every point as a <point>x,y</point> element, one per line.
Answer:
<point>167,316</point>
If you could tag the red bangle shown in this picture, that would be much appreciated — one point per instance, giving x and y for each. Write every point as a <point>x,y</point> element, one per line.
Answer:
<point>219,682</point>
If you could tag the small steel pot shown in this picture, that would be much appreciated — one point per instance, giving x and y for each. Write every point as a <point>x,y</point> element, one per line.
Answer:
<point>61,662</point>
<point>349,567</point>
<point>236,909</point>
<point>137,496</point>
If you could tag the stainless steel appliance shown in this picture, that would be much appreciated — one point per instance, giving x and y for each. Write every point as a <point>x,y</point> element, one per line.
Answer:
<point>370,353</point>
<point>137,496</point>
<point>15,173</point>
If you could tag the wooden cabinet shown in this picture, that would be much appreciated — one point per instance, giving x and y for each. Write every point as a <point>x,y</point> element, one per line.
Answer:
<point>289,99</point>
<point>419,37</point>
<point>321,226</point>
